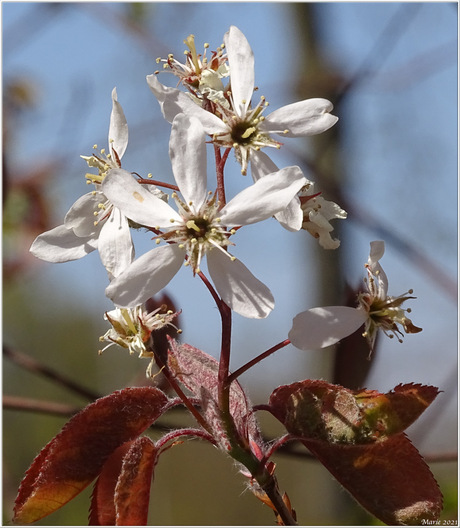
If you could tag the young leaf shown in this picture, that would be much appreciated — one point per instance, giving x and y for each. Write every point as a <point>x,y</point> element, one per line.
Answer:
<point>102,509</point>
<point>388,478</point>
<point>132,491</point>
<point>357,435</point>
<point>74,458</point>
<point>318,410</point>
<point>198,372</point>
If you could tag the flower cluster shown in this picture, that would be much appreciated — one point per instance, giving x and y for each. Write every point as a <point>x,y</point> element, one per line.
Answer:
<point>196,226</point>
<point>203,224</point>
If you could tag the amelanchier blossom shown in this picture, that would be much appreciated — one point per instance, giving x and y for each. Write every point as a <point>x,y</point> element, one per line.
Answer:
<point>376,310</point>
<point>200,226</point>
<point>92,222</point>
<point>317,214</point>
<point>132,329</point>
<point>307,210</point>
<point>236,123</point>
<point>201,75</point>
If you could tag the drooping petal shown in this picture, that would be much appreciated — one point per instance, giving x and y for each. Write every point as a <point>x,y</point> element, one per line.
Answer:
<point>376,253</point>
<point>146,276</point>
<point>62,245</point>
<point>136,202</point>
<point>291,218</point>
<point>118,128</point>
<point>173,101</point>
<point>187,150</point>
<point>115,245</point>
<point>269,195</point>
<point>321,327</point>
<point>241,63</point>
<point>261,164</point>
<point>238,287</point>
<point>304,118</point>
<point>80,217</point>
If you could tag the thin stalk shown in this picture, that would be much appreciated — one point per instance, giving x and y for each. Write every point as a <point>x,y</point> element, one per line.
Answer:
<point>159,184</point>
<point>220,163</point>
<point>224,362</point>
<point>175,386</point>
<point>257,359</point>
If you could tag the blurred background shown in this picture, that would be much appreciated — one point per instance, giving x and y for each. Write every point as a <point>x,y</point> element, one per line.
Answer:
<point>391,161</point>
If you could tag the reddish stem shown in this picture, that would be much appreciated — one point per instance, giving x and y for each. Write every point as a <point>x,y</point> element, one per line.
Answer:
<point>220,176</point>
<point>170,378</point>
<point>174,436</point>
<point>159,184</point>
<point>257,359</point>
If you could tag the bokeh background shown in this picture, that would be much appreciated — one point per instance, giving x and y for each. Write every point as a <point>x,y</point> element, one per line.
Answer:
<point>391,161</point>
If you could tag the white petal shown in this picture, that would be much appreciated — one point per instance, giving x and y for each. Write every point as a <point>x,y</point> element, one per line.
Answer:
<point>136,202</point>
<point>173,101</point>
<point>80,217</point>
<point>305,118</point>
<point>261,164</point>
<point>269,195</point>
<point>291,218</point>
<point>115,244</point>
<point>321,327</point>
<point>62,245</point>
<point>118,129</point>
<point>376,253</point>
<point>241,62</point>
<point>187,150</point>
<point>146,276</point>
<point>238,287</point>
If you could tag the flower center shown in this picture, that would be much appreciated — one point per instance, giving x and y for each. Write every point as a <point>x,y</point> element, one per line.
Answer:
<point>243,133</point>
<point>199,232</point>
<point>197,227</point>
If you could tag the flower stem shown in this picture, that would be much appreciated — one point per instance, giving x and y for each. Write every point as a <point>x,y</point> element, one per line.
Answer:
<point>256,360</point>
<point>175,386</point>
<point>220,163</point>
<point>224,362</point>
<point>159,184</point>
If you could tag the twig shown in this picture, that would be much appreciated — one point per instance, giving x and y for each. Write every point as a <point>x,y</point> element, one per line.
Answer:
<point>32,365</point>
<point>19,403</point>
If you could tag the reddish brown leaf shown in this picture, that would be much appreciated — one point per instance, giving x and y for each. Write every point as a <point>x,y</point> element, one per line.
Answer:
<point>318,410</point>
<point>102,510</point>
<point>76,455</point>
<point>198,372</point>
<point>388,478</point>
<point>132,492</point>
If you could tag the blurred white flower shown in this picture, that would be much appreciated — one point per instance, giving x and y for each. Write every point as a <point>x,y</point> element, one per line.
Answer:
<point>317,214</point>
<point>238,124</point>
<point>321,327</point>
<point>199,227</point>
<point>92,222</point>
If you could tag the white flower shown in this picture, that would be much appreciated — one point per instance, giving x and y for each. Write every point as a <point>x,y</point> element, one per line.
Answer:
<point>132,329</point>
<point>201,75</point>
<point>239,125</point>
<point>200,226</point>
<point>321,327</point>
<point>92,223</point>
<point>308,210</point>
<point>317,213</point>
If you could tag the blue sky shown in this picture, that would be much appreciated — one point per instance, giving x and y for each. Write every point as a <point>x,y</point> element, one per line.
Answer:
<point>398,133</point>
